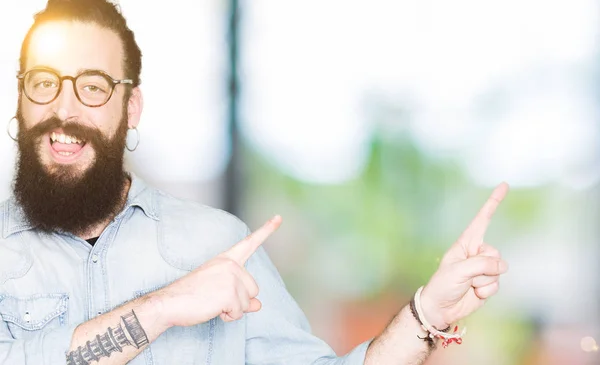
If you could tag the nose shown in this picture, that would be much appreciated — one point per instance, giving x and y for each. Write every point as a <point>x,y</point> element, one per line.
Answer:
<point>66,104</point>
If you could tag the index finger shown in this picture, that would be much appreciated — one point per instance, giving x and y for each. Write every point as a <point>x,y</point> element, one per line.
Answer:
<point>242,250</point>
<point>472,237</point>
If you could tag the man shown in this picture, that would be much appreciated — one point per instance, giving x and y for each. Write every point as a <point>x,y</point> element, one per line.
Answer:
<point>97,267</point>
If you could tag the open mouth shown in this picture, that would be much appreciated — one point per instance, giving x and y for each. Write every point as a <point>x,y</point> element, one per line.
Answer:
<point>65,147</point>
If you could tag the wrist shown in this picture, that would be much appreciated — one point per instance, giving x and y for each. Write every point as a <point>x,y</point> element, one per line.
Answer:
<point>434,324</point>
<point>432,311</point>
<point>156,305</point>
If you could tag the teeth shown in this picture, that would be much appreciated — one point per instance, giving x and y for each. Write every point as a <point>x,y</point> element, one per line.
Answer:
<point>62,138</point>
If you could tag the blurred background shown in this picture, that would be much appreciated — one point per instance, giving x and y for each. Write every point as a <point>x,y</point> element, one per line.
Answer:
<point>377,129</point>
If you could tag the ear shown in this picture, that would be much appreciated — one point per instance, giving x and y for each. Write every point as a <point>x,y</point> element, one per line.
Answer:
<point>134,108</point>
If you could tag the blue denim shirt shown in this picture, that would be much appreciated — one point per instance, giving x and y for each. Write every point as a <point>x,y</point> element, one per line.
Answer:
<point>50,283</point>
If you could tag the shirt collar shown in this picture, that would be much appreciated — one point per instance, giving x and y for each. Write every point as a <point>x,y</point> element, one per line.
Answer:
<point>140,195</point>
<point>14,218</point>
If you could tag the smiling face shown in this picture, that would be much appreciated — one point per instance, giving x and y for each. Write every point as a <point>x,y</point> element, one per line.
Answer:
<point>70,170</point>
<point>70,48</point>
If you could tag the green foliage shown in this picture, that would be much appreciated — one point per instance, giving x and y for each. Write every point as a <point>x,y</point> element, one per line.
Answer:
<point>394,221</point>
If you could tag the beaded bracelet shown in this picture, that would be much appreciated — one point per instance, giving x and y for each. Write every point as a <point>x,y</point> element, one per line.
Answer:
<point>432,332</point>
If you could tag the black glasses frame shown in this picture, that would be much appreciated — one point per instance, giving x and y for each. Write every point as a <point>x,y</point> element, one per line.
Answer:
<point>61,79</point>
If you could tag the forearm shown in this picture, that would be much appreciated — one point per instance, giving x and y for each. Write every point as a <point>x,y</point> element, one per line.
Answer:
<point>116,337</point>
<point>399,344</point>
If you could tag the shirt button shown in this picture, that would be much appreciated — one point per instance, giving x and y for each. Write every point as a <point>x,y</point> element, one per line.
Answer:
<point>27,317</point>
<point>94,258</point>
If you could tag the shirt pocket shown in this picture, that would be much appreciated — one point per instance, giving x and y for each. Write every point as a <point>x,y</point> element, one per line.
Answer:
<point>27,316</point>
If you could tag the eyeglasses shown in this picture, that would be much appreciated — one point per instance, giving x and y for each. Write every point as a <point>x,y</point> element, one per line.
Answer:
<point>92,88</point>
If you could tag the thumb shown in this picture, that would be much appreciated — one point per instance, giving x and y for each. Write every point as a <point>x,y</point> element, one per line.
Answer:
<point>255,305</point>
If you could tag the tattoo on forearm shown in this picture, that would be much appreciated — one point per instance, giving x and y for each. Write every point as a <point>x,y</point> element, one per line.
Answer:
<point>128,333</point>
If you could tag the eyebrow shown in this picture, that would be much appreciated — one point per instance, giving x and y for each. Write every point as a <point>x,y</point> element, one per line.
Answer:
<point>43,67</point>
<point>82,70</point>
<point>79,71</point>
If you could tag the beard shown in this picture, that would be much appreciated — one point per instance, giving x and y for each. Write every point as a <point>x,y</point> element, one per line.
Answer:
<point>62,197</point>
